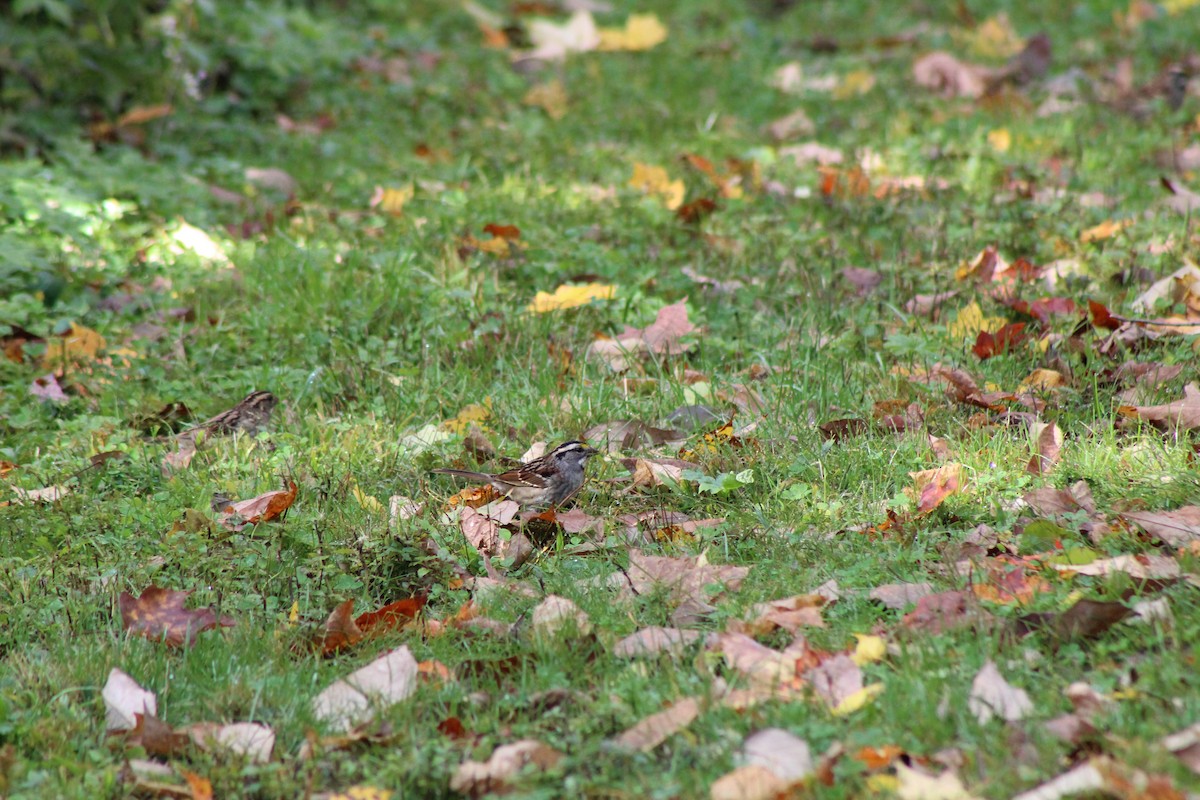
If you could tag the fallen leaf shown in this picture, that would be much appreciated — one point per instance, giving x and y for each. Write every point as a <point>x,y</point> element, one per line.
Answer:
<point>654,181</point>
<point>773,670</point>
<point>807,153</point>
<point>941,612</point>
<point>683,579</point>
<point>835,679</point>
<point>125,701</point>
<point>557,613</point>
<point>748,783</point>
<point>1139,567</point>
<point>1104,776</point>
<point>47,494</point>
<point>555,41</point>
<point>263,508</point>
<point>898,596</point>
<point>1178,528</point>
<point>80,344</point>
<point>784,754</point>
<point>948,76</point>
<point>340,630</point>
<point>1105,230</point>
<point>655,640</point>
<point>641,32</point>
<point>475,778</point>
<point>789,613</point>
<point>917,785</point>
<point>385,681</point>
<point>252,740</point>
<point>1185,745</point>
<point>482,527</point>
<point>568,296</point>
<point>657,728</point>
<point>992,696</point>
<point>158,614</point>
<point>1083,620</point>
<point>791,126</point>
<point>932,486</point>
<point>1006,339</point>
<point>551,97</point>
<point>48,388</point>
<point>1049,440</point>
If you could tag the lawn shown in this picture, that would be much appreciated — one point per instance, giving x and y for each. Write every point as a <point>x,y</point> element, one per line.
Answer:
<point>883,322</point>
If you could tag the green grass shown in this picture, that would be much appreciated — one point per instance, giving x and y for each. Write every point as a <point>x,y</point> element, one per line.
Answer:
<point>370,327</point>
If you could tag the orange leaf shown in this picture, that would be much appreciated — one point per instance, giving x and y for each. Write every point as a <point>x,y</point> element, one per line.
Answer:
<point>876,758</point>
<point>158,614</point>
<point>341,630</point>
<point>263,508</point>
<point>393,616</point>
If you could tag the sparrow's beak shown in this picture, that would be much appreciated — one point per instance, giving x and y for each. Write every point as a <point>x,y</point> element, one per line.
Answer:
<point>589,451</point>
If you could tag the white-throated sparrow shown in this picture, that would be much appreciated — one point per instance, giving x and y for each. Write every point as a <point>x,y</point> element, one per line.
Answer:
<point>545,482</point>
<point>249,416</point>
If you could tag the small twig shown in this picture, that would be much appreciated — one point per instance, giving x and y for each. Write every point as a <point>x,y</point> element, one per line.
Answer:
<point>1165,323</point>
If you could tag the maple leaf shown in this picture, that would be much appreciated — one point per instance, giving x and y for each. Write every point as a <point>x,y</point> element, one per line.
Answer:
<point>568,296</point>
<point>158,614</point>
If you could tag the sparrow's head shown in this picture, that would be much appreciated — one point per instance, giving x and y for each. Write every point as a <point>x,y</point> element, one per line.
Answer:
<point>573,452</point>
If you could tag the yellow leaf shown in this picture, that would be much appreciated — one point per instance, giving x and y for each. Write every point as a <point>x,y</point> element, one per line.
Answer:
<point>567,296</point>
<point>1174,7</point>
<point>551,97</point>
<point>475,413</point>
<point>1042,380</point>
<point>999,140</point>
<point>294,613</point>
<point>882,783</point>
<point>362,793</point>
<point>365,500</point>
<point>81,344</point>
<point>857,700</point>
<point>855,83</point>
<point>391,201</point>
<point>970,321</point>
<point>1105,230</point>
<point>994,38</point>
<point>655,181</point>
<point>641,32</point>
<point>869,649</point>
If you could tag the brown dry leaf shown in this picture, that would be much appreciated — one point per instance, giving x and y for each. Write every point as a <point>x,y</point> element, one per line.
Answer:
<point>657,728</point>
<point>652,472</point>
<point>340,631</point>
<point>1050,502</point>
<point>932,486</point>
<point>47,494</point>
<point>1083,620</point>
<point>654,641</point>
<point>1183,199</point>
<point>1179,287</point>
<point>558,613</point>
<point>263,508</point>
<point>482,527</point>
<point>943,611</point>
<point>789,613</point>
<point>386,681</point>
<point>156,737</point>
<point>1042,380</point>
<point>181,458</point>
<point>917,785</point>
<point>1049,440</point>
<point>1185,745</point>
<point>1137,567</point>
<point>199,786</point>
<point>992,696</point>
<point>784,754</point>
<point>632,434</point>
<point>1101,775</point>
<point>836,679</point>
<point>551,97</point>
<point>252,740</point>
<point>1177,415</point>
<point>158,614</point>
<point>48,388</point>
<point>476,778</point>
<point>1178,528</point>
<point>924,305</point>
<point>898,596</point>
<point>812,153</point>
<point>125,701</point>
<point>791,126</point>
<point>748,783</point>
<point>950,77</point>
<point>765,668</point>
<point>685,580</point>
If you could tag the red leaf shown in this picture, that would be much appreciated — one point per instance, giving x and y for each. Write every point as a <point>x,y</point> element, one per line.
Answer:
<point>391,617</point>
<point>1102,317</point>
<point>1003,340</point>
<point>502,231</point>
<point>158,614</point>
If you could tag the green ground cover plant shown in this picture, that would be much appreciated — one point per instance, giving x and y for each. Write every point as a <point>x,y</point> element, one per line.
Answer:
<point>882,316</point>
